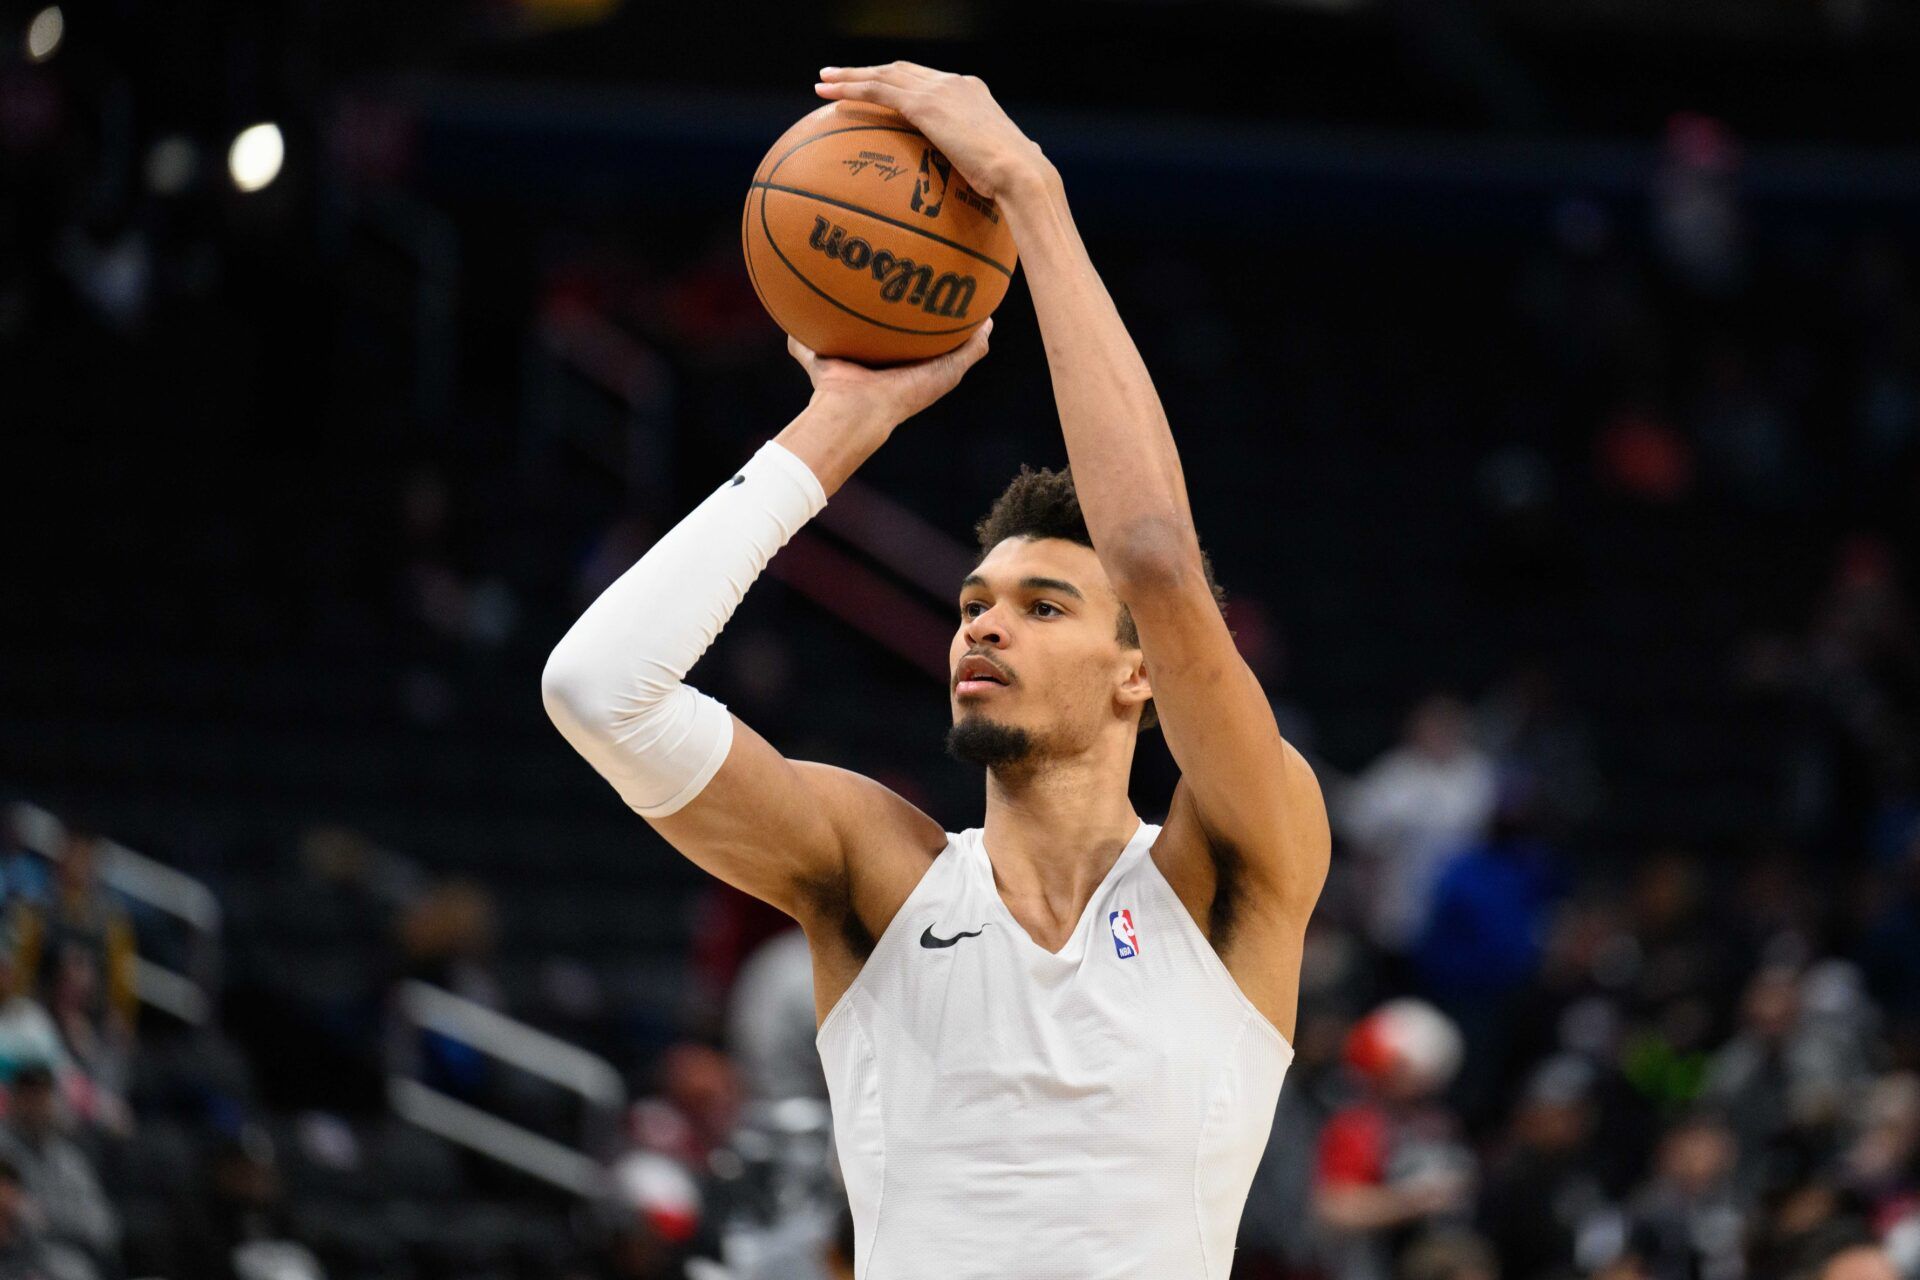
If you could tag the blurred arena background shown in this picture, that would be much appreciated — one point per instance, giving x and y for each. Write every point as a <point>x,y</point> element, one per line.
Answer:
<point>1548,380</point>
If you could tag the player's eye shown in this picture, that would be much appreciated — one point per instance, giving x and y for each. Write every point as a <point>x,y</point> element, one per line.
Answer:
<point>966,609</point>
<point>1048,604</point>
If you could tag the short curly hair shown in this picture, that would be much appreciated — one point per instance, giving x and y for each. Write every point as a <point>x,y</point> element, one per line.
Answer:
<point>1043,504</point>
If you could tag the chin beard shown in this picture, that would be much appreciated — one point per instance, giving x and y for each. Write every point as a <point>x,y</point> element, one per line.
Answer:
<point>978,740</point>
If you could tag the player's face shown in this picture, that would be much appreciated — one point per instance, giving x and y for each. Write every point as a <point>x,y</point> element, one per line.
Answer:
<point>1037,646</point>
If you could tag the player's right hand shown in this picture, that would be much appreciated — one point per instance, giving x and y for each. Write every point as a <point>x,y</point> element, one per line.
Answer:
<point>885,398</point>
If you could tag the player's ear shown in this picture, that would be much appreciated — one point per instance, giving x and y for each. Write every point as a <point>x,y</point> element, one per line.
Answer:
<point>1136,686</point>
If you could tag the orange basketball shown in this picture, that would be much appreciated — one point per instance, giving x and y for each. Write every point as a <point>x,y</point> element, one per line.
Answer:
<point>863,242</point>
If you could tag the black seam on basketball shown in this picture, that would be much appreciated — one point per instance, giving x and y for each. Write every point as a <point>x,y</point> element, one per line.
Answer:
<point>881,217</point>
<point>801,277</point>
<point>852,128</point>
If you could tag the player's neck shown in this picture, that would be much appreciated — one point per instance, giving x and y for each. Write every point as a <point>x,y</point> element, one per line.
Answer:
<point>1055,832</point>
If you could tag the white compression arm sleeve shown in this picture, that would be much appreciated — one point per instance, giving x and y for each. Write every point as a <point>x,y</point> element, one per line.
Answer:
<point>614,684</point>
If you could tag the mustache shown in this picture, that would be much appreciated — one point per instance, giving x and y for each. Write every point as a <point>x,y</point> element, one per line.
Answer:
<point>953,682</point>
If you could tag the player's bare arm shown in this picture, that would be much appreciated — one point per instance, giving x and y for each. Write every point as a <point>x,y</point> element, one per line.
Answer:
<point>1247,830</point>
<point>834,849</point>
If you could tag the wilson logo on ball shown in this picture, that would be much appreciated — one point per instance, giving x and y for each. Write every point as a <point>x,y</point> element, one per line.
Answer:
<point>901,279</point>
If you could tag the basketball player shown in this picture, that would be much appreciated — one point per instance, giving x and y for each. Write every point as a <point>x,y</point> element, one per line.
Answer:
<point>1053,1042</point>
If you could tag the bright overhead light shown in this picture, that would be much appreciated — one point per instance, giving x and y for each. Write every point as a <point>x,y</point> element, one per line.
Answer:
<point>44,33</point>
<point>255,157</point>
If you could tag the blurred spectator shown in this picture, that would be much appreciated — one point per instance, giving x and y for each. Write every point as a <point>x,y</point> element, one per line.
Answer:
<point>79,950</point>
<point>694,1110</point>
<point>771,1024</point>
<point>1780,1072</point>
<point>1679,964</point>
<point>343,862</point>
<point>55,1171</point>
<point>785,1137</point>
<point>1880,1162</point>
<point>1542,1190</point>
<point>27,1032</point>
<point>25,1252</point>
<point>446,938</point>
<point>99,1052</point>
<point>654,1225</point>
<point>728,926</point>
<point>239,1226</point>
<point>76,952</point>
<point>1279,1232</point>
<point>1482,944</point>
<point>1690,1216</point>
<point>809,1257</point>
<point>1393,1162</point>
<point>1412,808</point>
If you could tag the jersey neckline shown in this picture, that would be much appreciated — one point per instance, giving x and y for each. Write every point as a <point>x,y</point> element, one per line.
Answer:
<point>1128,854</point>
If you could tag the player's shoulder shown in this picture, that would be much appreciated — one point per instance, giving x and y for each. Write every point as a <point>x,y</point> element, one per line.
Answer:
<point>871,817</point>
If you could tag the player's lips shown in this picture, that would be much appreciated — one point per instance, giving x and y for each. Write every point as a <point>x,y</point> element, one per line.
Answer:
<point>977,675</point>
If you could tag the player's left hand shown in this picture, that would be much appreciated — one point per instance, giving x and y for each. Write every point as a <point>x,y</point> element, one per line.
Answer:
<point>957,114</point>
<point>884,398</point>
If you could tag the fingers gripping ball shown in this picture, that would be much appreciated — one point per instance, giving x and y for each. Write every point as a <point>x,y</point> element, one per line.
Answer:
<point>864,243</point>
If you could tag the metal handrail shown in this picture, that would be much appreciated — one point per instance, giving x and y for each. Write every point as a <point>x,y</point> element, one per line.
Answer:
<point>511,1144</point>
<point>424,1007</point>
<point>513,1042</point>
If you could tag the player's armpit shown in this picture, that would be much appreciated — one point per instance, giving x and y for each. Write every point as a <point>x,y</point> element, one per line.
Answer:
<point>1256,923</point>
<point>790,831</point>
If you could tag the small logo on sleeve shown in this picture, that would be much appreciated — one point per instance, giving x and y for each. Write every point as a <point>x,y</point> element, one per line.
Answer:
<point>736,480</point>
<point>1125,941</point>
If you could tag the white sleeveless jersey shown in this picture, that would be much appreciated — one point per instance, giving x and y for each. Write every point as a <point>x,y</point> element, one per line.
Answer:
<point>1006,1113</point>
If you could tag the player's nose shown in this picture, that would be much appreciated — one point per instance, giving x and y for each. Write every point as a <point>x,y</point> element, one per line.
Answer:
<point>985,628</point>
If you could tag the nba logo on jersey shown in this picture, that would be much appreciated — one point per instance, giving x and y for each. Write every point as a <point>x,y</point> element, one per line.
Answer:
<point>1125,940</point>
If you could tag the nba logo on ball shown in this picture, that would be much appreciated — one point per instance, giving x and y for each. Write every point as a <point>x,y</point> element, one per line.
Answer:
<point>1125,940</point>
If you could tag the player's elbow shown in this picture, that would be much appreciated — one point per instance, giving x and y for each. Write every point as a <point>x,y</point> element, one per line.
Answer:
<point>590,697</point>
<point>563,689</point>
<point>577,692</point>
<point>1155,555</point>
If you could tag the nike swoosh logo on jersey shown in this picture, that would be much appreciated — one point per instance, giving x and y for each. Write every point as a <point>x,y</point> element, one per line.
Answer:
<point>932,943</point>
<point>736,480</point>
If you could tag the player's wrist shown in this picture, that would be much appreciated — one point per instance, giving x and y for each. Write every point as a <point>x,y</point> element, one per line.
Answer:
<point>833,435</point>
<point>858,415</point>
<point>1028,182</point>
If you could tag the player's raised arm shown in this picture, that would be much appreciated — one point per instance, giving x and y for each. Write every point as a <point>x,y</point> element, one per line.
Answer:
<point>1252,793</point>
<point>615,684</point>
